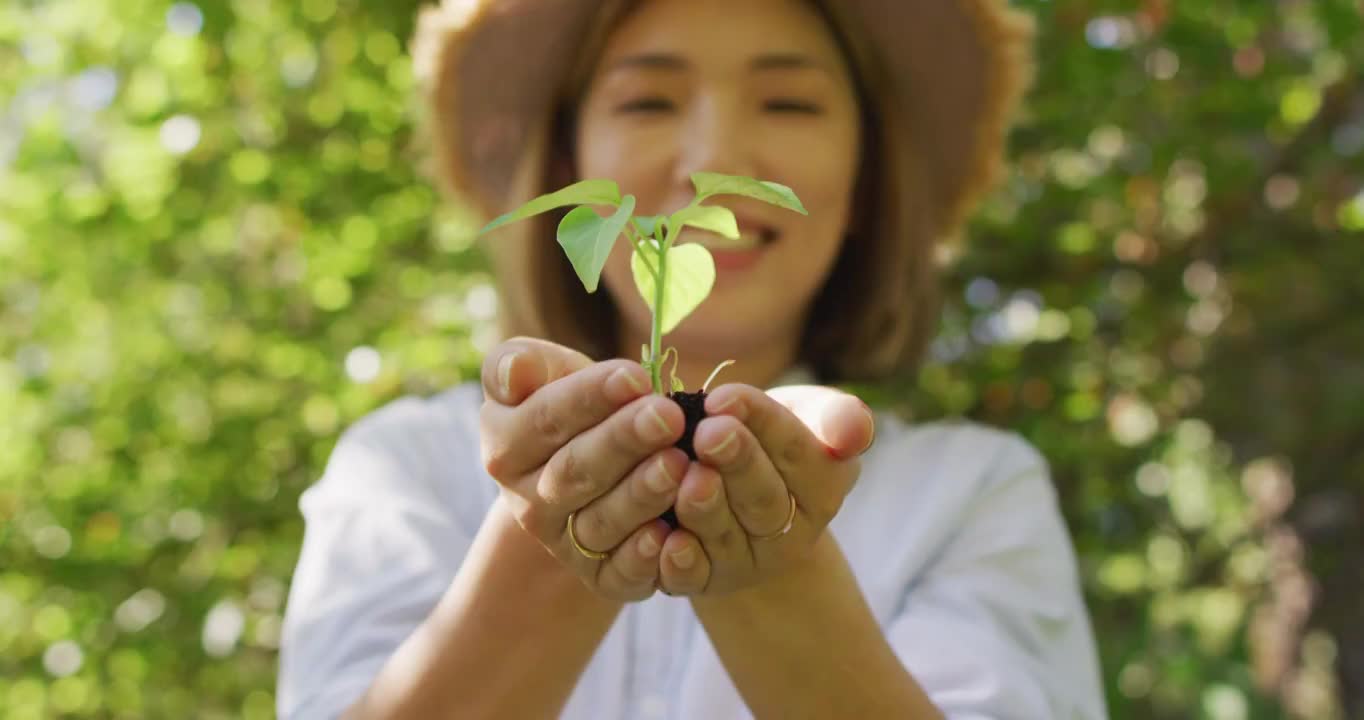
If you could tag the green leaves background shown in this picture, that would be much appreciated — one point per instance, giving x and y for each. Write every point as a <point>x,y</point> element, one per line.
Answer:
<point>215,253</point>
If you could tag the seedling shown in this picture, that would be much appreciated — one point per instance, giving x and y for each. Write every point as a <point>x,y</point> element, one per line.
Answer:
<point>673,280</point>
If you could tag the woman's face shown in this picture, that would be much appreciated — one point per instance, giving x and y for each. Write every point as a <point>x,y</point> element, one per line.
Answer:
<point>749,87</point>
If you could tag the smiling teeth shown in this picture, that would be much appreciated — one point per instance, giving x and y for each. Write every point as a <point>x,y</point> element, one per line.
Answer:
<point>746,241</point>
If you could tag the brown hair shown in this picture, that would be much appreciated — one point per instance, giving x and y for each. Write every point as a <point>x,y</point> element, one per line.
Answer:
<point>879,306</point>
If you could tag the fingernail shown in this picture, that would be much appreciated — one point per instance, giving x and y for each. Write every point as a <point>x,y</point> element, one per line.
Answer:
<point>648,546</point>
<point>624,385</point>
<point>725,451</point>
<point>504,368</point>
<point>839,456</point>
<point>658,478</point>
<point>871,435</point>
<point>684,558</point>
<point>871,426</point>
<point>655,427</point>
<point>729,404</point>
<point>707,502</point>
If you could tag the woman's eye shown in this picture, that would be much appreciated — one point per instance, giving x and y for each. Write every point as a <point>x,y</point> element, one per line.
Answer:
<point>792,106</point>
<point>646,104</point>
<point>661,104</point>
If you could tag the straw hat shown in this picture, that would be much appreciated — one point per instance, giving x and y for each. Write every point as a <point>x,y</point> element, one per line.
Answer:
<point>490,71</point>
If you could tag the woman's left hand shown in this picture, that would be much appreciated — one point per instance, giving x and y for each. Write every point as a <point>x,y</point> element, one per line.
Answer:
<point>760,452</point>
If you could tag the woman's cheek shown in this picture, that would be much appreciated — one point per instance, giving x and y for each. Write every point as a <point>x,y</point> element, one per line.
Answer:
<point>622,151</point>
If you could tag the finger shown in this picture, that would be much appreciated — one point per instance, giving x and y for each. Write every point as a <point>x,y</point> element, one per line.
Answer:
<point>631,572</point>
<point>516,440</point>
<point>643,495</point>
<point>703,508</point>
<point>518,367</point>
<point>814,475</point>
<point>684,568</point>
<point>757,493</point>
<point>842,422</point>
<point>592,463</point>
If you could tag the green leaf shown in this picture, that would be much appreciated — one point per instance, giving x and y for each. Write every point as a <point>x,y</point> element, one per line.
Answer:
<point>587,239</point>
<point>586,192</point>
<point>677,384</point>
<point>688,278</point>
<point>719,220</point>
<point>646,223</point>
<point>708,184</point>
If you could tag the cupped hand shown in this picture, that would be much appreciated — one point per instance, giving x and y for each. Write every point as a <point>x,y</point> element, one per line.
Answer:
<point>774,468</point>
<point>564,436</point>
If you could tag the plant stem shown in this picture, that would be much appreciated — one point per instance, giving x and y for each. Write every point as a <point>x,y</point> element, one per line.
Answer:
<point>656,336</point>
<point>639,246</point>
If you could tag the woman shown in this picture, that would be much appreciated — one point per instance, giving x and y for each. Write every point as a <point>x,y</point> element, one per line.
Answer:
<point>496,551</point>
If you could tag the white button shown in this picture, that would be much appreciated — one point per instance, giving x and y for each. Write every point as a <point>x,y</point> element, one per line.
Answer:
<point>653,706</point>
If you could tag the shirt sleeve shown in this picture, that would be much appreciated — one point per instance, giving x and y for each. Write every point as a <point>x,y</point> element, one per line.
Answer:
<point>996,627</point>
<point>380,547</point>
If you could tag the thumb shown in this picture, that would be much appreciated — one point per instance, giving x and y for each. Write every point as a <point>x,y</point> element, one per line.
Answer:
<point>515,369</point>
<point>841,421</point>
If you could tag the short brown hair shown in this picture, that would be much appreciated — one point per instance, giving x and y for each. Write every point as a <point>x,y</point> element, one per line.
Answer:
<point>879,306</point>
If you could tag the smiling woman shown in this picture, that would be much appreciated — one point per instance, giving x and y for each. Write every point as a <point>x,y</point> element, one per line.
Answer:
<point>495,551</point>
<point>720,83</point>
<point>800,82</point>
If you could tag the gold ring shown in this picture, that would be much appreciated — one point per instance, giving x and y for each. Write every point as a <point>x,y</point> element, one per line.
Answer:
<point>790,520</point>
<point>573,538</point>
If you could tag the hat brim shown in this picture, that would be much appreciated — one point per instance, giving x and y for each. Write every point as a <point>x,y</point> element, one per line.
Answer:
<point>490,69</point>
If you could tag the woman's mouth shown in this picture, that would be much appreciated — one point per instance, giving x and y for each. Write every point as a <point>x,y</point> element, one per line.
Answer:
<point>733,256</point>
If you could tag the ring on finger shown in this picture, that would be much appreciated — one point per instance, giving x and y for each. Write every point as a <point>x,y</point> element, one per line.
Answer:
<point>573,538</point>
<point>790,520</point>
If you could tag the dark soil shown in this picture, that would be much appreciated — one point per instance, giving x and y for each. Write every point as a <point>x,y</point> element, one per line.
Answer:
<point>693,406</point>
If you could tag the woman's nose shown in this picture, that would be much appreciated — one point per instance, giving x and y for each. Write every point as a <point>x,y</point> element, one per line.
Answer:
<point>715,139</point>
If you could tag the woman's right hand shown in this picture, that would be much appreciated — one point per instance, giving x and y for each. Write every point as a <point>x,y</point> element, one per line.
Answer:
<point>564,435</point>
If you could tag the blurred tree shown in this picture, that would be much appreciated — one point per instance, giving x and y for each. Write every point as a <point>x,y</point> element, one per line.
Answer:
<point>216,251</point>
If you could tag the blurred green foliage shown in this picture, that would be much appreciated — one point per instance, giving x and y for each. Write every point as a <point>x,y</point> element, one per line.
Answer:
<point>217,250</point>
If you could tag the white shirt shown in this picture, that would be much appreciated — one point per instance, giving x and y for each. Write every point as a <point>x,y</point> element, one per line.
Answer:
<point>952,530</point>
